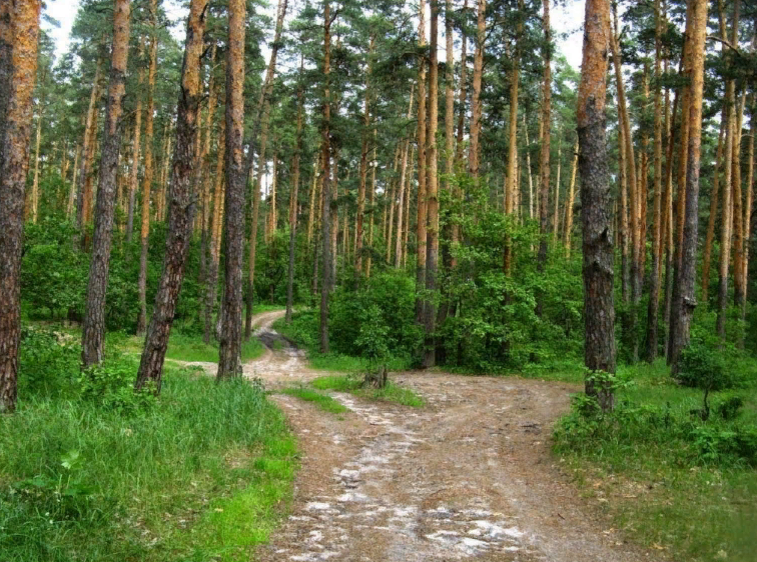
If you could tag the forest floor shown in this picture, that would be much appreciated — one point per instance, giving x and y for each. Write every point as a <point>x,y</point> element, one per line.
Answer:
<point>470,476</point>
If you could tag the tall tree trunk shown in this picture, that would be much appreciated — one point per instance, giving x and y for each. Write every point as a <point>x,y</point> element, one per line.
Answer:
<point>371,204</point>
<point>432,189</point>
<point>402,183</point>
<point>556,216</point>
<point>88,146</point>
<point>707,254</point>
<point>72,190</point>
<point>739,291</point>
<point>727,206</point>
<point>35,181</point>
<point>148,173</point>
<point>216,230</point>
<point>313,201</point>
<point>476,103</point>
<point>294,197</point>
<point>654,274</point>
<point>328,201</point>
<point>230,352</point>
<point>596,203</point>
<point>512,152</point>
<point>19,30</point>
<point>571,202</point>
<point>633,202</point>
<point>546,124</point>
<point>134,172</point>
<point>684,304</point>
<point>204,175</point>
<point>181,212</point>
<point>462,102</point>
<point>748,205</point>
<point>422,214</point>
<point>360,218</point>
<point>93,330</point>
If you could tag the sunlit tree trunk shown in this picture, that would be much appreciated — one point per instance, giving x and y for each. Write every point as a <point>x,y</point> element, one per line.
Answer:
<point>684,304</point>
<point>294,197</point>
<point>571,202</point>
<point>371,204</point>
<point>88,146</point>
<point>182,207</point>
<point>204,178</point>
<point>19,30</point>
<point>35,181</point>
<point>714,194</point>
<point>476,103</point>
<point>72,189</point>
<point>360,218</point>
<point>148,172</point>
<point>422,214</point>
<point>748,206</point>
<point>93,329</point>
<point>215,232</point>
<point>135,152</point>
<point>512,151</point>
<point>596,203</point>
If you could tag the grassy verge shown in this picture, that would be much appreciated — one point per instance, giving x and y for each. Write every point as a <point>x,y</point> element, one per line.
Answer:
<point>91,472</point>
<point>323,401</point>
<point>353,385</point>
<point>668,480</point>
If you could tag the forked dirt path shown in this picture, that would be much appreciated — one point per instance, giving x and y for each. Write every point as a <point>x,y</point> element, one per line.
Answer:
<point>467,477</point>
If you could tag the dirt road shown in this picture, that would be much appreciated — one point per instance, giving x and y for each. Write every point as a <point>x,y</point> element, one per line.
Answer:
<point>468,477</point>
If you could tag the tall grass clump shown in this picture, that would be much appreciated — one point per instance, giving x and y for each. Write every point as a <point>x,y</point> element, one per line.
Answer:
<point>95,472</point>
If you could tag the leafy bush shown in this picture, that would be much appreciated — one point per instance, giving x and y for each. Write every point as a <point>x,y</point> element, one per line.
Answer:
<point>48,362</point>
<point>110,385</point>
<point>703,365</point>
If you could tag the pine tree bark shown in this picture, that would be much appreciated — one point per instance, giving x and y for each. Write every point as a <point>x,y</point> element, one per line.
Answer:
<point>204,175</point>
<point>144,234</point>
<point>432,189</point>
<point>476,103</point>
<point>748,204</point>
<point>571,202</point>
<point>685,303</point>
<point>422,209</point>
<point>714,195</point>
<point>134,172</point>
<point>216,231</point>
<point>230,352</point>
<point>35,181</point>
<point>546,124</point>
<point>181,206</point>
<point>596,203</point>
<point>93,329</point>
<point>88,148</point>
<point>19,30</point>
<point>512,152</point>
<point>360,218</point>
<point>654,274</point>
<point>328,201</point>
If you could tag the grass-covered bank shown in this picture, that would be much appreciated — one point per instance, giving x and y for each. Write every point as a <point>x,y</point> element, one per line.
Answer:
<point>354,385</point>
<point>91,472</point>
<point>669,480</point>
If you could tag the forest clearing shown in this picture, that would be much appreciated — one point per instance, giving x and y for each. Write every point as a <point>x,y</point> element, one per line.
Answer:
<point>322,280</point>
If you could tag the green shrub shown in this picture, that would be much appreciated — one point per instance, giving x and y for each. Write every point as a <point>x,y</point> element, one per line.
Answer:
<point>48,362</point>
<point>110,385</point>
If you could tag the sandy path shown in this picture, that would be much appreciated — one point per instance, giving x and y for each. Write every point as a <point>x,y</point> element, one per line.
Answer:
<point>468,477</point>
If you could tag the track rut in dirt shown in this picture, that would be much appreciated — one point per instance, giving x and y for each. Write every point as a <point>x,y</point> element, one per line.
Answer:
<point>468,477</point>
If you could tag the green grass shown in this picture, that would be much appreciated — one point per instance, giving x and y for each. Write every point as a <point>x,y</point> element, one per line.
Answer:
<point>323,401</point>
<point>657,487</point>
<point>353,385</point>
<point>205,472</point>
<point>192,348</point>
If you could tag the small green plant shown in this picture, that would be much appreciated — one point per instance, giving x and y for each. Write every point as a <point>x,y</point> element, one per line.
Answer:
<point>323,401</point>
<point>111,386</point>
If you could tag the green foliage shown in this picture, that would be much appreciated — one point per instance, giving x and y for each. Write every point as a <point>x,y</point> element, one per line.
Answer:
<point>704,363</point>
<point>48,362</point>
<point>87,482</point>
<point>110,385</point>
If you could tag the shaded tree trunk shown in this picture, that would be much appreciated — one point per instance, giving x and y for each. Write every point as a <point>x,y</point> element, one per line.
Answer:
<point>546,124</point>
<point>294,196</point>
<point>19,30</point>
<point>596,203</point>
<point>182,206</point>
<point>422,210</point>
<point>216,231</point>
<point>328,201</point>
<point>93,330</point>
<point>134,172</point>
<point>230,352</point>
<point>707,254</point>
<point>685,303</point>
<point>148,174</point>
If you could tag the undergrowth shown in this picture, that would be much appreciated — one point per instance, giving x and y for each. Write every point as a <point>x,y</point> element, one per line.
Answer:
<point>89,471</point>
<point>672,476</point>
